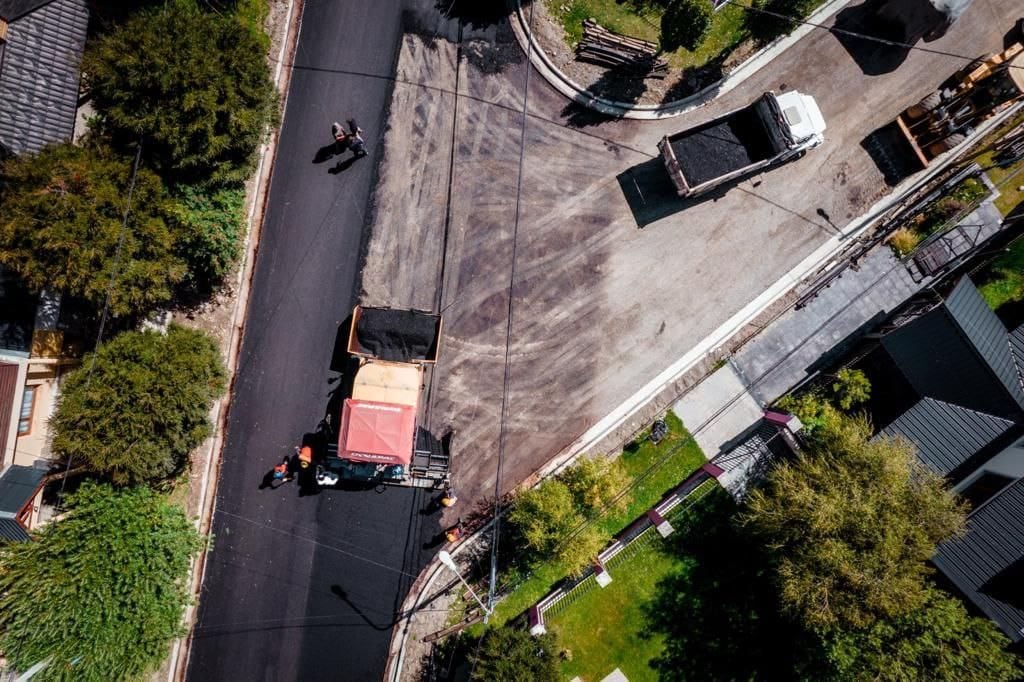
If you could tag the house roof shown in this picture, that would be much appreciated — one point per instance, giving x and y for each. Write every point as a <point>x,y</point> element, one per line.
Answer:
<point>18,485</point>
<point>946,435</point>
<point>11,10</point>
<point>960,353</point>
<point>987,564</point>
<point>40,71</point>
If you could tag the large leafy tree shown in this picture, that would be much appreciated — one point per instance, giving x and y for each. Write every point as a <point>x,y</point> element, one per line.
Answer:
<point>936,641</point>
<point>193,85</point>
<point>140,404</point>
<point>511,654</point>
<point>851,525</point>
<point>549,524</point>
<point>64,216</point>
<point>99,593</point>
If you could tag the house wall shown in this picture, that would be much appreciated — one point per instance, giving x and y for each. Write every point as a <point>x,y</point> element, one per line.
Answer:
<point>1009,462</point>
<point>45,376</point>
<point>10,442</point>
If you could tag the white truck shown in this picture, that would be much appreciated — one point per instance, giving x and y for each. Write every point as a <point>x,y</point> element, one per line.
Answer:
<point>772,130</point>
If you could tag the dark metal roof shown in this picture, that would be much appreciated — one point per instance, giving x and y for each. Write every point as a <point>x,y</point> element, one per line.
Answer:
<point>12,531</point>
<point>39,72</point>
<point>987,564</point>
<point>946,435</point>
<point>12,10</point>
<point>987,334</point>
<point>18,485</point>
<point>960,353</point>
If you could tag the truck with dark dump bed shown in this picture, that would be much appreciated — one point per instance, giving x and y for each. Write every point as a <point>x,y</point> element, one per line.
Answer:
<point>770,131</point>
<point>380,438</point>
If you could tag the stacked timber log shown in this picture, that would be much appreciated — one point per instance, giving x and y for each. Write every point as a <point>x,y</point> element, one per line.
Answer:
<point>612,50</point>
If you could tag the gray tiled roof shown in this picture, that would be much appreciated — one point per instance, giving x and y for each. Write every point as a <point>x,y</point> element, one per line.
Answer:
<point>946,435</point>
<point>39,73</point>
<point>986,564</point>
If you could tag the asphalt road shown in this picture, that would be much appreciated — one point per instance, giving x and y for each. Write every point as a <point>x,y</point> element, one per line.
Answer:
<point>306,587</point>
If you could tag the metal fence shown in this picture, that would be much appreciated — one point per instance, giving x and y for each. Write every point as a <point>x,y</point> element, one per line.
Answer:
<point>620,550</point>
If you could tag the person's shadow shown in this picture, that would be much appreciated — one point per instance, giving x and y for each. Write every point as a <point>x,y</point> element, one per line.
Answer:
<point>328,152</point>
<point>343,165</point>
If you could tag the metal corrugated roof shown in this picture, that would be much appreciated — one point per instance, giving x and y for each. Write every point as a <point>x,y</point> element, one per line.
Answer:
<point>960,353</point>
<point>40,72</point>
<point>13,9</point>
<point>946,435</point>
<point>18,485</point>
<point>987,334</point>
<point>12,531</point>
<point>990,554</point>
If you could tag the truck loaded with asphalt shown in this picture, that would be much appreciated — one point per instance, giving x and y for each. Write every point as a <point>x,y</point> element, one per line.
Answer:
<point>771,130</point>
<point>380,436</point>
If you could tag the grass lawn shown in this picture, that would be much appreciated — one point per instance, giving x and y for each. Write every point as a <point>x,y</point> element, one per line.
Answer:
<point>1003,281</point>
<point>606,628</point>
<point>1006,179</point>
<point>682,456</point>
<point>643,20</point>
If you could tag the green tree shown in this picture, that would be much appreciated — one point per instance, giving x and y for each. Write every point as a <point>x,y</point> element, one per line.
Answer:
<point>594,483</point>
<point>61,227</point>
<point>100,593</point>
<point>194,86</point>
<point>511,654</point>
<point>550,525</point>
<point>815,412</point>
<point>213,222</point>
<point>936,641</point>
<point>851,388</point>
<point>684,24</point>
<point>851,525</point>
<point>140,404</point>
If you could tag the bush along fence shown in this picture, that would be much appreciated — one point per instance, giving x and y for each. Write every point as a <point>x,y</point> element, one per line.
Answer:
<point>637,534</point>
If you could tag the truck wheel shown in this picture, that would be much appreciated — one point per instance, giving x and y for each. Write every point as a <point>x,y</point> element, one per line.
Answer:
<point>953,140</point>
<point>925,106</point>
<point>932,100</point>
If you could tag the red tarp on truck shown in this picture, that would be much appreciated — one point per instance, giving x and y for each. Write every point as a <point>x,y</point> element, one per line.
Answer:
<point>376,432</point>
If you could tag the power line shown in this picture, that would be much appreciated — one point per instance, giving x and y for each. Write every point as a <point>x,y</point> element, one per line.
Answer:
<point>114,272</point>
<point>506,378</point>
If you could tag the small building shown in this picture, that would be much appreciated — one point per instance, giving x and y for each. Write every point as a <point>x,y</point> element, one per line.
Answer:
<point>41,44</point>
<point>950,379</point>
<point>20,492</point>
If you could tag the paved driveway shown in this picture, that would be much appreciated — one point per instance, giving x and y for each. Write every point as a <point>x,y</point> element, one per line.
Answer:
<point>606,293</point>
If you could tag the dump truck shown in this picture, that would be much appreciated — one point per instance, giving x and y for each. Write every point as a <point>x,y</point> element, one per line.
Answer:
<point>380,437</point>
<point>770,131</point>
<point>944,118</point>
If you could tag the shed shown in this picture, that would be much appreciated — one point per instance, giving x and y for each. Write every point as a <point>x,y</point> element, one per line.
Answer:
<point>19,486</point>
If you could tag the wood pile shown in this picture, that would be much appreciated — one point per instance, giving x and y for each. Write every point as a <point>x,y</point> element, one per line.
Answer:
<point>604,48</point>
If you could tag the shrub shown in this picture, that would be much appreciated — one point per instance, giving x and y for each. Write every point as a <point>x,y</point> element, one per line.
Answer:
<point>904,240</point>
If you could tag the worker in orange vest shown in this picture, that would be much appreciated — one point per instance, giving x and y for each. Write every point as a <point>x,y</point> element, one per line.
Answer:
<point>454,534</point>
<point>281,471</point>
<point>448,498</point>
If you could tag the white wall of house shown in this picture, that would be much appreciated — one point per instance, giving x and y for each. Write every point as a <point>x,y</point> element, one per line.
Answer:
<point>1009,462</point>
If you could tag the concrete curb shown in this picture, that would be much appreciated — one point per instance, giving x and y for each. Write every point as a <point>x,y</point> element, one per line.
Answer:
<point>211,474</point>
<point>653,112</point>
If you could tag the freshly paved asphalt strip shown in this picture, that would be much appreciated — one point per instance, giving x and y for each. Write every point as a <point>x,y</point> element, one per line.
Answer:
<point>305,587</point>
